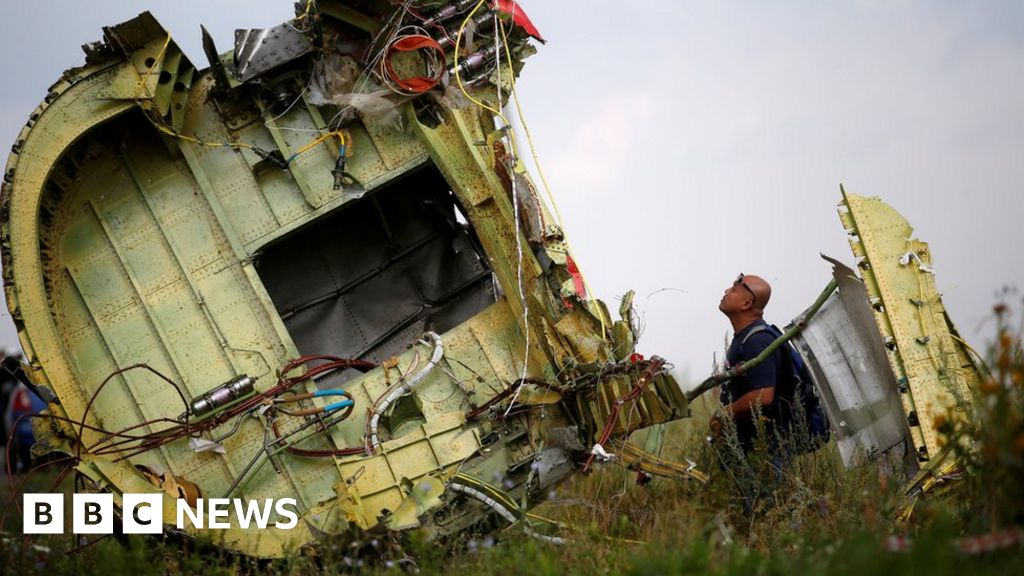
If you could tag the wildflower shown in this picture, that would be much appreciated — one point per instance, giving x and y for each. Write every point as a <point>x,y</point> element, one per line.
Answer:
<point>989,386</point>
<point>1004,361</point>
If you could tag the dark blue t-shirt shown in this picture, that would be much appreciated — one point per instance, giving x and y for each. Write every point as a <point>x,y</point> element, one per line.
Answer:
<point>767,374</point>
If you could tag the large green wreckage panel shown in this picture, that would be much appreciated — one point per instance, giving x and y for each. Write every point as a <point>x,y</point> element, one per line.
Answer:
<point>136,207</point>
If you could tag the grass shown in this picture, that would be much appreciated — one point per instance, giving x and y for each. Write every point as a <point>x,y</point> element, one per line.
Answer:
<point>817,518</point>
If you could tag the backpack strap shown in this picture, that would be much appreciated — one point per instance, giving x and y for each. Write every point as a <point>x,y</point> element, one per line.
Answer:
<point>754,330</point>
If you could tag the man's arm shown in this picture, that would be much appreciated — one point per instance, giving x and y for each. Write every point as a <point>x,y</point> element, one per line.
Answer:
<point>744,405</point>
<point>760,380</point>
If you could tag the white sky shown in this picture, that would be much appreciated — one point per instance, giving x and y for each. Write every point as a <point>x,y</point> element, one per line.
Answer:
<point>689,141</point>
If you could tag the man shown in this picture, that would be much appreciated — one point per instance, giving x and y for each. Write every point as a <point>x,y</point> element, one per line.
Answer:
<point>755,389</point>
<point>22,404</point>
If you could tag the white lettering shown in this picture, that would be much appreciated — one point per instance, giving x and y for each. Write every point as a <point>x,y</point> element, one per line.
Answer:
<point>142,513</point>
<point>279,506</point>
<point>185,510</point>
<point>246,514</point>
<point>92,514</point>
<point>43,513</point>
<point>218,508</point>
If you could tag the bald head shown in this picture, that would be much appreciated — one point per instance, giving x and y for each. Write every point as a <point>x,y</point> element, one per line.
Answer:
<point>762,291</point>
<point>745,300</point>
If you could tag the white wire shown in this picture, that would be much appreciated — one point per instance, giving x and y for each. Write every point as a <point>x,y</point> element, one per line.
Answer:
<point>642,322</point>
<point>522,291</point>
<point>433,65</point>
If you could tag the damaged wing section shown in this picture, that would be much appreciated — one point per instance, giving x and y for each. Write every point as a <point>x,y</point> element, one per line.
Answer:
<point>933,370</point>
<point>888,363</point>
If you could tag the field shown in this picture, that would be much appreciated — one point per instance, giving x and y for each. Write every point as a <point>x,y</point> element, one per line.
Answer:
<point>814,518</point>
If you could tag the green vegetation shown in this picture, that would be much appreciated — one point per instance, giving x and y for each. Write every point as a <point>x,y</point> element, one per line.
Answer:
<point>815,518</point>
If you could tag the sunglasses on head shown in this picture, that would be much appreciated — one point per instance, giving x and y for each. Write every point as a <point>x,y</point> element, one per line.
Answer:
<point>739,280</point>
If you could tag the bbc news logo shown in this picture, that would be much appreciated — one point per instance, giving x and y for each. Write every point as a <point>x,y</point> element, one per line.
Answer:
<point>143,513</point>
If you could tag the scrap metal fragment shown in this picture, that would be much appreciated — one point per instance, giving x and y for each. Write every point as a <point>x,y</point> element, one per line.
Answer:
<point>259,50</point>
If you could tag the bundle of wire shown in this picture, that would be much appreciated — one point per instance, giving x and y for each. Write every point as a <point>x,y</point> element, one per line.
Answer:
<point>126,444</point>
<point>413,39</point>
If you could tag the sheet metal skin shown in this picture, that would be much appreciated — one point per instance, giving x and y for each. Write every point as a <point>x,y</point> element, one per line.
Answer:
<point>855,383</point>
<point>933,370</point>
<point>124,245</point>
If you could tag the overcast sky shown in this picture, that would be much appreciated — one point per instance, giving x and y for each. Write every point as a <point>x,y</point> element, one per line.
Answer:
<point>689,141</point>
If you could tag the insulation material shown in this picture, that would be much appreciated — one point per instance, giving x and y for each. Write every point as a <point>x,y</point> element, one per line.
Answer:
<point>374,105</point>
<point>333,74</point>
<point>333,82</point>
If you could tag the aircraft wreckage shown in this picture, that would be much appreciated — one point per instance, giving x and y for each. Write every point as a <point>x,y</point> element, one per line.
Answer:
<point>316,269</point>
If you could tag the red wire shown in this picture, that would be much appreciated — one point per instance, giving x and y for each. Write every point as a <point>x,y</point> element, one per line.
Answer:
<point>415,84</point>
<point>653,366</point>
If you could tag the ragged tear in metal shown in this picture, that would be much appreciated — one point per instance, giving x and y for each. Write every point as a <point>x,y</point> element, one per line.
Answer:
<point>202,445</point>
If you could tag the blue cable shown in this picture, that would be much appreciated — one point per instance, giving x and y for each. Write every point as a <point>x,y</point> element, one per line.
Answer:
<point>338,405</point>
